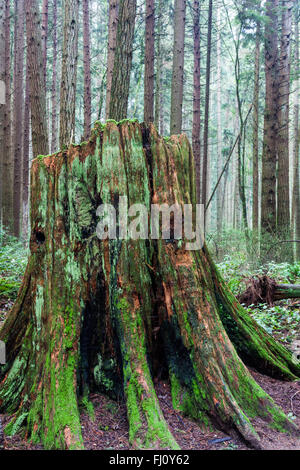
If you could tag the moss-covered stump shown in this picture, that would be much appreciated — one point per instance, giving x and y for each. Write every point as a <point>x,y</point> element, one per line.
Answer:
<point>113,315</point>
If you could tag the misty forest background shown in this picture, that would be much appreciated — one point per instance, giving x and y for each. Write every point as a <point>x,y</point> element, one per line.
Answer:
<point>224,72</point>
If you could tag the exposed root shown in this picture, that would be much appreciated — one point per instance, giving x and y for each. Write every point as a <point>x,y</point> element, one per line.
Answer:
<point>259,290</point>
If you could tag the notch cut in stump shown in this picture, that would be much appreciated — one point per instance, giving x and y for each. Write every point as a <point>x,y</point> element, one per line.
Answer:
<point>113,315</point>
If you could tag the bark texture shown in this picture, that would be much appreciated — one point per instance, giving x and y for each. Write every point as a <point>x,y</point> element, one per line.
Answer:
<point>7,193</point>
<point>54,136</point>
<point>123,60</point>
<point>87,69</point>
<point>69,73</point>
<point>45,37</point>
<point>197,97</point>
<point>283,195</point>
<point>178,67</point>
<point>40,142</point>
<point>2,94</point>
<point>113,315</point>
<point>296,179</point>
<point>149,62</point>
<point>204,193</point>
<point>268,199</point>
<point>111,49</point>
<point>159,66</point>
<point>255,184</point>
<point>18,113</point>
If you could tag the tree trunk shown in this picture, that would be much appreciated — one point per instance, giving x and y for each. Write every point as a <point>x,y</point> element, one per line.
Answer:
<point>286,291</point>
<point>111,48</point>
<point>40,142</point>
<point>7,189</point>
<point>255,186</point>
<point>283,186</point>
<point>25,169</point>
<point>207,102</point>
<point>149,62</point>
<point>296,181</point>
<point>197,98</point>
<point>268,199</point>
<point>69,73</point>
<point>178,67</point>
<point>45,38</point>
<point>54,83</point>
<point>123,60</point>
<point>158,78</point>
<point>114,314</point>
<point>87,69</point>
<point>18,112</point>
<point>220,162</point>
<point>2,97</point>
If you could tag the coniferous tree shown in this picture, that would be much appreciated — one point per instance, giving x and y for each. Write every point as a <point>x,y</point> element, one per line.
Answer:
<point>197,96</point>
<point>178,66</point>
<point>87,69</point>
<point>69,73</point>
<point>7,183</point>
<point>18,112</point>
<point>54,136</point>
<point>39,128</point>
<point>111,48</point>
<point>268,198</point>
<point>118,106</point>
<point>283,184</point>
<point>149,62</point>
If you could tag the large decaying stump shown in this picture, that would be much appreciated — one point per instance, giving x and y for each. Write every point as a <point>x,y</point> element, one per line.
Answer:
<point>113,315</point>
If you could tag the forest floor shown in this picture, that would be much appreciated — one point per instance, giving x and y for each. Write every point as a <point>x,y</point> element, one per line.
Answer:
<point>107,427</point>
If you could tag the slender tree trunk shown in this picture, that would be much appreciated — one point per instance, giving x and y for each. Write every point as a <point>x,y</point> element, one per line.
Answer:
<point>54,82</point>
<point>45,38</point>
<point>7,189</point>
<point>283,186</point>
<point>268,198</point>
<point>112,39</point>
<point>220,189</point>
<point>123,60</point>
<point>69,73</point>
<point>158,80</point>
<point>39,128</point>
<point>296,180</point>
<point>2,101</point>
<point>25,170</point>
<point>18,112</point>
<point>149,61</point>
<point>255,184</point>
<point>178,67</point>
<point>207,102</point>
<point>87,69</point>
<point>197,97</point>
<point>140,307</point>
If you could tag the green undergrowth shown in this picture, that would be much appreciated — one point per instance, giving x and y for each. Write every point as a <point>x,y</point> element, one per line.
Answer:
<point>13,260</point>
<point>280,320</point>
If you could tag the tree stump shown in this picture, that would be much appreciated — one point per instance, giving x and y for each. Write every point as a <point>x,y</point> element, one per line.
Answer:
<point>113,315</point>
